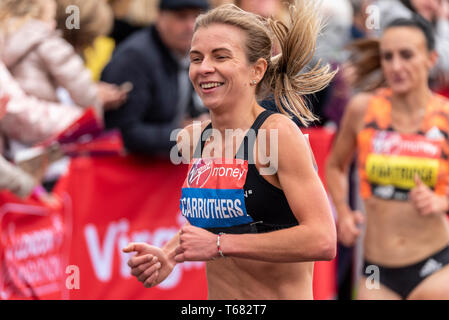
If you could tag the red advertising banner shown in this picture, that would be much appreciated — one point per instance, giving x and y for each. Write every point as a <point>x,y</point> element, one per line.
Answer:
<point>324,280</point>
<point>34,243</point>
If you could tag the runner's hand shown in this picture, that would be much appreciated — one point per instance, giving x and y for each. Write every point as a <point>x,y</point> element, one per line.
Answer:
<point>426,201</point>
<point>349,227</point>
<point>196,244</point>
<point>150,265</point>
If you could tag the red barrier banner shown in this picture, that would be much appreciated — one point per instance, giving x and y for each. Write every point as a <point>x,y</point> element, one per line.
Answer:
<point>33,248</point>
<point>117,200</point>
<point>324,280</point>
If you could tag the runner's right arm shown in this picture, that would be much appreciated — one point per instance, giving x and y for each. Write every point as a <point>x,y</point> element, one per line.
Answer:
<point>337,169</point>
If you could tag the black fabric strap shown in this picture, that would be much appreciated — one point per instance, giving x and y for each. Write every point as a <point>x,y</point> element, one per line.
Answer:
<point>200,145</point>
<point>245,151</point>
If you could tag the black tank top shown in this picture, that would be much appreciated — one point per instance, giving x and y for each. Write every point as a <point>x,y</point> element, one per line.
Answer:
<point>233,198</point>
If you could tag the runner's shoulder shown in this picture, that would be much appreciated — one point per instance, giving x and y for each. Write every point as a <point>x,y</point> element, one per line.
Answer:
<point>189,136</point>
<point>358,105</point>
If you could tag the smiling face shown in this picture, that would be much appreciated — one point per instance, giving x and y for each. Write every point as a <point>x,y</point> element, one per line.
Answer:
<point>406,61</point>
<point>219,69</point>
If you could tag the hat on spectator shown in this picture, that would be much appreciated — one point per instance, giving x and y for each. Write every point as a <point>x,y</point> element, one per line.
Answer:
<point>183,4</point>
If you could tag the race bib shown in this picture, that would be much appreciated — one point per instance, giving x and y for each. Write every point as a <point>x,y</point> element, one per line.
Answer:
<point>396,159</point>
<point>212,194</point>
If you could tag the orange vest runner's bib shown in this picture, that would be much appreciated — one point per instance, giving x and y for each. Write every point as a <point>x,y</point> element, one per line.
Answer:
<point>388,160</point>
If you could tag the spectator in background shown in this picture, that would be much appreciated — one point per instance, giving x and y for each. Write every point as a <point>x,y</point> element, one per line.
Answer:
<point>359,28</point>
<point>41,60</point>
<point>95,19</point>
<point>329,103</point>
<point>29,121</point>
<point>131,16</point>
<point>434,11</point>
<point>122,28</point>
<point>90,41</point>
<point>155,60</point>
<point>11,177</point>
<point>47,67</point>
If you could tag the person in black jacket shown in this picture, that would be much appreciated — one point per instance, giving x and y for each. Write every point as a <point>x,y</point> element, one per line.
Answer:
<point>155,60</point>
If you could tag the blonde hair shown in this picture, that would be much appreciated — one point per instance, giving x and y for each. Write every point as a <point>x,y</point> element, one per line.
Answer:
<point>285,76</point>
<point>96,19</point>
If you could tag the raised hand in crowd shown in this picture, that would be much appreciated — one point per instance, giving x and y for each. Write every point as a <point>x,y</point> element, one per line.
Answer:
<point>113,96</point>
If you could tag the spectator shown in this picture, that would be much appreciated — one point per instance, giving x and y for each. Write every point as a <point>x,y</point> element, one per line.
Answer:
<point>46,66</point>
<point>122,28</point>
<point>359,27</point>
<point>155,61</point>
<point>12,178</point>
<point>30,121</point>
<point>41,61</point>
<point>90,41</point>
<point>329,103</point>
<point>131,16</point>
<point>95,16</point>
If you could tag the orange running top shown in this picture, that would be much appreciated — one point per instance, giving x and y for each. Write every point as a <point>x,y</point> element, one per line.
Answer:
<point>389,160</point>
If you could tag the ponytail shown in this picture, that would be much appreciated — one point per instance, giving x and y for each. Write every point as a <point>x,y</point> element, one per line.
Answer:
<point>285,78</point>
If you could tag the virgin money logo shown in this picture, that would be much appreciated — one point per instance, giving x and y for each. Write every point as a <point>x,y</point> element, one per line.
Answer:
<point>199,173</point>
<point>386,142</point>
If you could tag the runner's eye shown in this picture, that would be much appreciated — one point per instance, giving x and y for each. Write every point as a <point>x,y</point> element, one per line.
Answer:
<point>195,59</point>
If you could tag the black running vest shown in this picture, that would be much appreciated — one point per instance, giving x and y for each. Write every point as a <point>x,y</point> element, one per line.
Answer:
<point>232,196</point>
